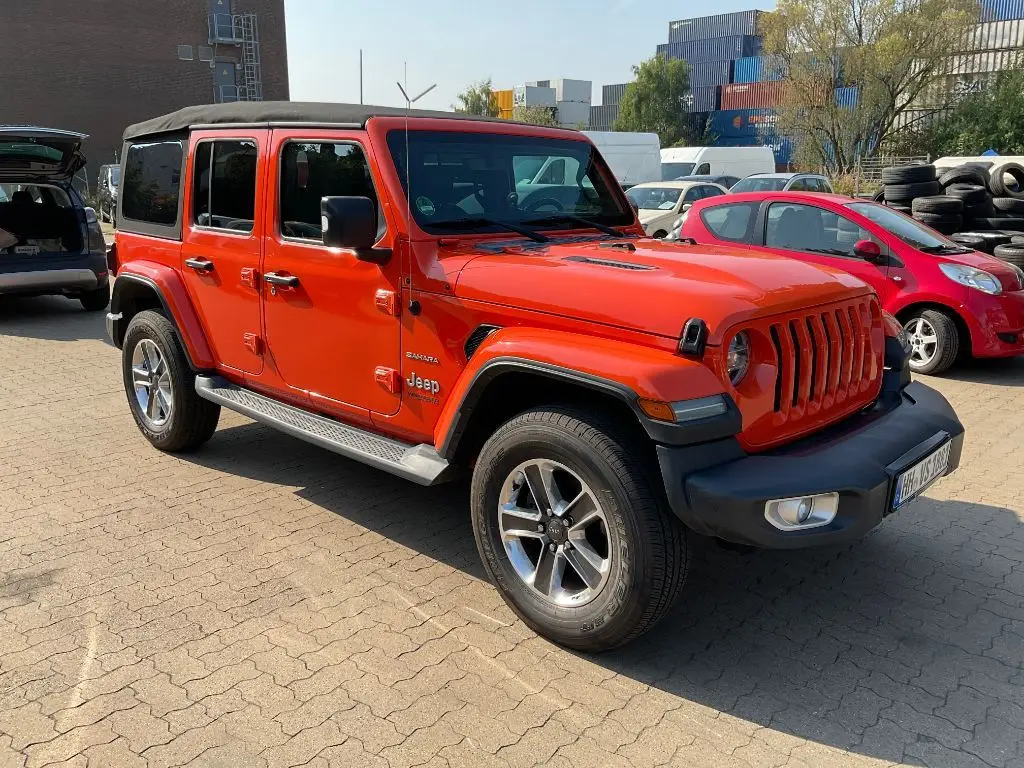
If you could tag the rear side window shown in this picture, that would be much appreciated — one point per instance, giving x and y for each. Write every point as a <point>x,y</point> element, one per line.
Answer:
<point>152,174</point>
<point>224,185</point>
<point>730,222</point>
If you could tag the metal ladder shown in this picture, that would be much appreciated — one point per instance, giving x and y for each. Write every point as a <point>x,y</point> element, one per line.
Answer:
<point>252,68</point>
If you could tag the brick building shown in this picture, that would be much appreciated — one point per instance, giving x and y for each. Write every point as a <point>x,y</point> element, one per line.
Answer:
<point>97,67</point>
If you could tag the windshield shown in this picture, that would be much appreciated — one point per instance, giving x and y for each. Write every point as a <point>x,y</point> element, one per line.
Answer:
<point>759,184</point>
<point>672,171</point>
<point>654,198</point>
<point>480,182</point>
<point>906,229</point>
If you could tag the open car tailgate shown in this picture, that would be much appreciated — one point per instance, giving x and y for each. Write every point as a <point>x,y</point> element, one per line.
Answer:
<point>28,152</point>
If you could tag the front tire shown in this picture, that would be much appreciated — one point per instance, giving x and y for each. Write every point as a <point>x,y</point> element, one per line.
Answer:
<point>934,341</point>
<point>609,560</point>
<point>161,387</point>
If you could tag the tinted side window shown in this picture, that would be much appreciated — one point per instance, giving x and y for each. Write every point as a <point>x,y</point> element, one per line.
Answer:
<point>799,185</point>
<point>311,171</point>
<point>812,229</point>
<point>693,194</point>
<point>702,169</point>
<point>709,191</point>
<point>152,176</point>
<point>730,222</point>
<point>224,185</point>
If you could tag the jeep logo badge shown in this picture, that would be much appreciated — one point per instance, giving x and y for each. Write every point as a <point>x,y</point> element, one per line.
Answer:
<point>426,385</point>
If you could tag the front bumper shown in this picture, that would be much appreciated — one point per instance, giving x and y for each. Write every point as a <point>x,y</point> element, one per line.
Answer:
<point>718,490</point>
<point>996,323</point>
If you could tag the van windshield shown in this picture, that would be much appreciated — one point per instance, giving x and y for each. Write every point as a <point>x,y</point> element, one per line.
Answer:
<point>481,182</point>
<point>672,171</point>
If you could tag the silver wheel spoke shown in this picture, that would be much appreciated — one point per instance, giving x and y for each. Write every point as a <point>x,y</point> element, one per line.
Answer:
<point>140,377</point>
<point>929,339</point>
<point>550,568</point>
<point>579,558</point>
<point>542,487</point>
<point>152,383</point>
<point>584,514</point>
<point>152,406</point>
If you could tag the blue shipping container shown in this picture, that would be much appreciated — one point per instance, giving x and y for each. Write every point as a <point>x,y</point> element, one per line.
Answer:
<point>702,99</point>
<point>743,123</point>
<point>714,49</point>
<point>756,69</point>
<point>710,73</point>
<point>722,25</point>
<point>846,98</point>
<point>1002,10</point>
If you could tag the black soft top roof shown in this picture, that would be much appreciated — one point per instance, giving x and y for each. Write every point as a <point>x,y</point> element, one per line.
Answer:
<point>267,112</point>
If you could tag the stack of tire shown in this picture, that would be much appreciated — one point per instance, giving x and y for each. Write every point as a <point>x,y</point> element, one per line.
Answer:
<point>966,199</point>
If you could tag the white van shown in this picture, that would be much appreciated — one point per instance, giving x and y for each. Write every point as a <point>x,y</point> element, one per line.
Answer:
<point>989,161</point>
<point>634,158</point>
<point>677,162</point>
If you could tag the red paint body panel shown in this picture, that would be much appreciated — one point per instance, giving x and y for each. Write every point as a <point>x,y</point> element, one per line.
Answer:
<point>918,281</point>
<point>752,95</point>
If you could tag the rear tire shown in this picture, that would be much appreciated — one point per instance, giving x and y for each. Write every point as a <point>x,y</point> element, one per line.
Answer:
<point>167,410</point>
<point>645,549</point>
<point>934,339</point>
<point>95,301</point>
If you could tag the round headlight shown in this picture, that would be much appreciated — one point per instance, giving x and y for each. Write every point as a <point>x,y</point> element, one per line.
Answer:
<point>739,357</point>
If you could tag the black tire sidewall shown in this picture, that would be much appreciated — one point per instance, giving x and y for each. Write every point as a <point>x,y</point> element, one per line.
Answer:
<point>615,607</point>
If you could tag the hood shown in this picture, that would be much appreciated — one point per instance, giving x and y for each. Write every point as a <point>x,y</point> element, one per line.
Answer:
<point>653,289</point>
<point>648,214</point>
<point>39,153</point>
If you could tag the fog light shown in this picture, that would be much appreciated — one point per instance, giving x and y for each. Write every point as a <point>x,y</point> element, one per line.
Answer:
<point>802,512</point>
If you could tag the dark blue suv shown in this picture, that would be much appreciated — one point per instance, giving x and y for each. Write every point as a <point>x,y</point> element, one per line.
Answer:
<point>50,242</point>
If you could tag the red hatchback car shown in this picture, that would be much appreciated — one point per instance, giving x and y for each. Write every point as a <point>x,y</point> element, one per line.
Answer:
<point>950,299</point>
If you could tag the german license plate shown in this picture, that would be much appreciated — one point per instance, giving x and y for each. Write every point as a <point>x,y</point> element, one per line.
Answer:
<point>921,475</point>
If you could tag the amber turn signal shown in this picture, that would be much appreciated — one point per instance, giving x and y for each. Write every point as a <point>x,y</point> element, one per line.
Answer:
<point>657,409</point>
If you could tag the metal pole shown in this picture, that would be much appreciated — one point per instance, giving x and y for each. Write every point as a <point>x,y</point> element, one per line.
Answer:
<point>360,75</point>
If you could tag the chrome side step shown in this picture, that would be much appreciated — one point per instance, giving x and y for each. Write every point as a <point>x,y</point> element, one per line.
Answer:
<point>419,463</point>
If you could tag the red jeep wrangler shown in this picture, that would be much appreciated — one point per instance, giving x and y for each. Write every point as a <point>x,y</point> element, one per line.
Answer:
<point>408,290</point>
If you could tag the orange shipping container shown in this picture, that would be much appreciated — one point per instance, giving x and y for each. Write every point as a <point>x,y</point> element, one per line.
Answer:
<point>752,95</point>
<point>504,102</point>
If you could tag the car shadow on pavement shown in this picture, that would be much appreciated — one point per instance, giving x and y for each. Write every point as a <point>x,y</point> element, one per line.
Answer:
<point>906,646</point>
<point>1007,372</point>
<point>47,317</point>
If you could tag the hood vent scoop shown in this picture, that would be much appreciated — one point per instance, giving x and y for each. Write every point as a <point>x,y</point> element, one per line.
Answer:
<point>610,263</point>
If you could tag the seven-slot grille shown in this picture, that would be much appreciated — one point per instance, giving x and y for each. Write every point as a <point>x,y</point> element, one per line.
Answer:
<point>828,359</point>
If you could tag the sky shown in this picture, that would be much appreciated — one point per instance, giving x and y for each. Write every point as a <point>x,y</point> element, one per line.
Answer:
<point>457,42</point>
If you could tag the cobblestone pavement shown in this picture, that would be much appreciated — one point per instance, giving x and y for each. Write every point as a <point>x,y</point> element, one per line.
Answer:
<point>264,603</point>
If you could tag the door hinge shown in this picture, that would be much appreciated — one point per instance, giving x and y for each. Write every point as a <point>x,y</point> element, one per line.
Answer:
<point>249,277</point>
<point>253,342</point>
<point>387,302</point>
<point>389,379</point>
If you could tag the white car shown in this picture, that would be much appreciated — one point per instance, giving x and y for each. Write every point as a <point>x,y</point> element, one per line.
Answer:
<point>660,203</point>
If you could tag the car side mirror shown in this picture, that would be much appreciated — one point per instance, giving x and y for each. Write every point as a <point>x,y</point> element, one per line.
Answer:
<point>686,207</point>
<point>350,222</point>
<point>868,250</point>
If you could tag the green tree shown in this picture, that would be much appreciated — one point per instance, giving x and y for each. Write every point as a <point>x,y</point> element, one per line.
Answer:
<point>535,115</point>
<point>894,52</point>
<point>478,99</point>
<point>990,119</point>
<point>655,101</point>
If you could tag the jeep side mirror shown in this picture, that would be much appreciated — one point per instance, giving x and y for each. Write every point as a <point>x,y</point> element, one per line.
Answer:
<point>868,250</point>
<point>349,222</point>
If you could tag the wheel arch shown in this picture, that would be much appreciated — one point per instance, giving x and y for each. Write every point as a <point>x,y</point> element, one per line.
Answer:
<point>963,329</point>
<point>516,369</point>
<point>155,287</point>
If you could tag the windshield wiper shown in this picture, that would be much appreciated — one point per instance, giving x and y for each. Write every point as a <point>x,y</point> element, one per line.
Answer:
<point>950,249</point>
<point>480,221</point>
<point>577,220</point>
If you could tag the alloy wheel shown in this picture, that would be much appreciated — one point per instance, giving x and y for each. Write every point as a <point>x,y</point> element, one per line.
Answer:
<point>152,382</point>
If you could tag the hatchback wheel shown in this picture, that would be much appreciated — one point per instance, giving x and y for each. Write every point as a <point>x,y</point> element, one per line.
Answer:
<point>934,341</point>
<point>573,528</point>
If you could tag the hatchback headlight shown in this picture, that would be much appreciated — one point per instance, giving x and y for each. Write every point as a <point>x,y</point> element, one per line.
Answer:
<point>739,357</point>
<point>972,278</point>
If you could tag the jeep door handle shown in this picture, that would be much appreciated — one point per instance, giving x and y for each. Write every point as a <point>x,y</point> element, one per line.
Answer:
<point>199,265</point>
<point>282,281</point>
